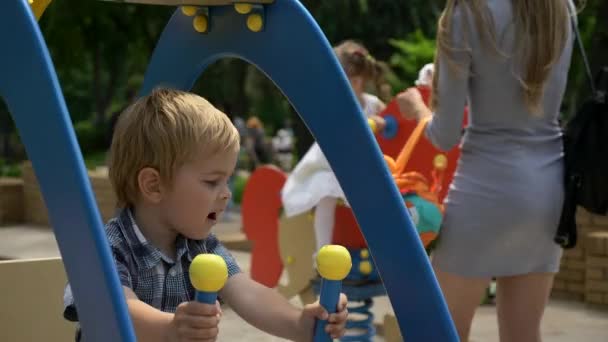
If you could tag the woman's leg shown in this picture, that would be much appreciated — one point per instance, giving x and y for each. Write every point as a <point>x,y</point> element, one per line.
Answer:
<point>521,302</point>
<point>463,295</point>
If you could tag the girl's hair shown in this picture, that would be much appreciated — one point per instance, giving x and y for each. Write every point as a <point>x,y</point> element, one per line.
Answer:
<point>541,32</point>
<point>357,61</point>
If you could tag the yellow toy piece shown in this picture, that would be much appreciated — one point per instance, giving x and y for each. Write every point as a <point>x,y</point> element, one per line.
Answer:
<point>38,7</point>
<point>255,22</point>
<point>201,23</point>
<point>440,162</point>
<point>189,10</point>
<point>372,125</point>
<point>289,260</point>
<point>208,272</point>
<point>243,8</point>
<point>365,267</point>
<point>364,253</point>
<point>334,262</point>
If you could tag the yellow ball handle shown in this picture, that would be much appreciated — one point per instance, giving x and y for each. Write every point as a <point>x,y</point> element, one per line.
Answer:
<point>372,125</point>
<point>334,262</point>
<point>208,274</point>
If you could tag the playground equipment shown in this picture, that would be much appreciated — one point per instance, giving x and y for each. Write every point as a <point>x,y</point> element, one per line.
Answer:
<point>272,35</point>
<point>295,235</point>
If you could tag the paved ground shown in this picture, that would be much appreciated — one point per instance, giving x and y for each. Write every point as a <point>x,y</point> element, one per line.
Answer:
<point>564,321</point>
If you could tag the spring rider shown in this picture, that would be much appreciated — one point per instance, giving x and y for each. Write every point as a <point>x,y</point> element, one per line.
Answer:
<point>288,242</point>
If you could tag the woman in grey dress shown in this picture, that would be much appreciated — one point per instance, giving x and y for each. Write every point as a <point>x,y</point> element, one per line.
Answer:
<point>508,59</point>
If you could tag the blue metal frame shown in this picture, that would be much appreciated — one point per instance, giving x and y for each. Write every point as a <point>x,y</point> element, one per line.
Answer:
<point>29,86</point>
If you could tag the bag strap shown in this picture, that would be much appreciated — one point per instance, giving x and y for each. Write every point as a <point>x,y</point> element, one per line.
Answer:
<point>577,37</point>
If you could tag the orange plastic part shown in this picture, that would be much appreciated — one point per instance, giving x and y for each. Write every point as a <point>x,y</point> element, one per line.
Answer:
<point>424,153</point>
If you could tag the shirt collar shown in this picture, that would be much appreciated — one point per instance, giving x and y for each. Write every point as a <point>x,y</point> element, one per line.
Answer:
<point>146,254</point>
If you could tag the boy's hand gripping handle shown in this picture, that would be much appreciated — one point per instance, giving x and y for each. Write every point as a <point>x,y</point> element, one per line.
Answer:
<point>334,264</point>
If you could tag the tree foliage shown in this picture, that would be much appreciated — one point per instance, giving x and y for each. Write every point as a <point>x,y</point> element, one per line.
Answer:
<point>101,50</point>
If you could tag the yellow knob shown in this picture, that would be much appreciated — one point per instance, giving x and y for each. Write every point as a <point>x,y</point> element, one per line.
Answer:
<point>372,125</point>
<point>289,260</point>
<point>255,22</point>
<point>365,267</point>
<point>440,162</point>
<point>334,262</point>
<point>38,7</point>
<point>208,272</point>
<point>243,8</point>
<point>364,253</point>
<point>189,10</point>
<point>310,216</point>
<point>201,23</point>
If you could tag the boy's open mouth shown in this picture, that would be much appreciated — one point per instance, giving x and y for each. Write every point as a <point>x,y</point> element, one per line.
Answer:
<point>212,216</point>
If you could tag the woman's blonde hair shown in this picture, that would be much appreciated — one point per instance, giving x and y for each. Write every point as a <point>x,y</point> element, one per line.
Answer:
<point>164,130</point>
<point>541,32</point>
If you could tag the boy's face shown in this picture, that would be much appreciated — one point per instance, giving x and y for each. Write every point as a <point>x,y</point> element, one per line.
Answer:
<point>199,194</point>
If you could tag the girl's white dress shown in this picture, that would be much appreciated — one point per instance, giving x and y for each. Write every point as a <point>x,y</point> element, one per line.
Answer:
<point>312,183</point>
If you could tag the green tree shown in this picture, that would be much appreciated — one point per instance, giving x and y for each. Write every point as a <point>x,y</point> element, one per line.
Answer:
<point>594,32</point>
<point>101,51</point>
<point>410,55</point>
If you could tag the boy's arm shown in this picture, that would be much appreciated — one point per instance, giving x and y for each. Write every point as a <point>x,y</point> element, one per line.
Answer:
<point>150,324</point>
<point>262,307</point>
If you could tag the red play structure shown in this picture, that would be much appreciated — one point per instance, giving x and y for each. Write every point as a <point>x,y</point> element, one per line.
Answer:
<point>262,201</point>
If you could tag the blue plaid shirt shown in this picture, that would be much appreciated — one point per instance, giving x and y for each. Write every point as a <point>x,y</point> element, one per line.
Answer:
<point>155,278</point>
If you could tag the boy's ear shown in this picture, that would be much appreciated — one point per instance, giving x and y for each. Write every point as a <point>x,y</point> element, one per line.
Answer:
<point>149,183</point>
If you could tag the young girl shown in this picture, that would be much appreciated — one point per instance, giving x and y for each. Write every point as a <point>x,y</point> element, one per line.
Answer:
<point>312,184</point>
<point>511,60</point>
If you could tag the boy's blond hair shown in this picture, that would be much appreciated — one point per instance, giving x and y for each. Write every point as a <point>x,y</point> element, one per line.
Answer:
<point>164,130</point>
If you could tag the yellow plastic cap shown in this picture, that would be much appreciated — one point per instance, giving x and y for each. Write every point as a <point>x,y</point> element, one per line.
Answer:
<point>365,267</point>
<point>440,162</point>
<point>254,22</point>
<point>201,23</point>
<point>364,253</point>
<point>189,10</point>
<point>208,272</point>
<point>242,8</point>
<point>372,125</point>
<point>290,260</point>
<point>334,262</point>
